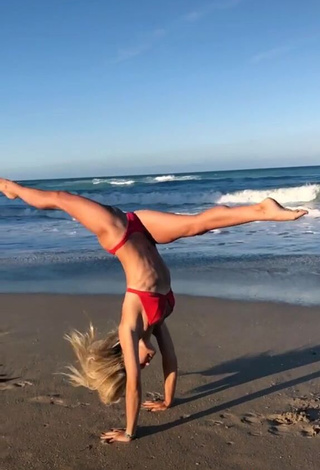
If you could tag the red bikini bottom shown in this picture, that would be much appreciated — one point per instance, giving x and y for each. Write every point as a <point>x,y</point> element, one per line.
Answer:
<point>155,304</point>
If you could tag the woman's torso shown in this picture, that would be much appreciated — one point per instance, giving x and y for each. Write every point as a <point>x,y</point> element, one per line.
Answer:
<point>143,266</point>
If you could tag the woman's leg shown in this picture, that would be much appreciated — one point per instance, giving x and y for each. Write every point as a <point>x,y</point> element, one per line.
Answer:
<point>166,228</point>
<point>95,217</point>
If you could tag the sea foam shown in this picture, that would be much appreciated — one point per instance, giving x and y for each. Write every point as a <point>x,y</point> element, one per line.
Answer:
<point>305,193</point>
<point>166,178</point>
<point>115,182</point>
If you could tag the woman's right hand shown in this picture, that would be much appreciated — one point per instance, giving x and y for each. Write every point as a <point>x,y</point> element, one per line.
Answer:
<point>154,406</point>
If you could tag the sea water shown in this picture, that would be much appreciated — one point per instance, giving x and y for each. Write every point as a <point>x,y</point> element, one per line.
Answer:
<point>47,251</point>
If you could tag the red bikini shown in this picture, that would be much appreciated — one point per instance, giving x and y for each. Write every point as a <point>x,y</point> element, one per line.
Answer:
<point>154,304</point>
<point>134,226</point>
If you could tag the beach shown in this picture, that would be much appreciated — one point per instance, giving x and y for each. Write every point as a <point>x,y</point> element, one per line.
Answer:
<point>160,162</point>
<point>248,395</point>
<point>245,329</point>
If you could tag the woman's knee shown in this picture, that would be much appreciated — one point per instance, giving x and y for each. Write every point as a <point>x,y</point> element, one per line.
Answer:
<point>196,226</point>
<point>60,199</point>
<point>205,221</point>
<point>61,196</point>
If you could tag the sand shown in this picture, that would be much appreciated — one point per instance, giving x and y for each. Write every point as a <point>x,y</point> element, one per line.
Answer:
<point>248,395</point>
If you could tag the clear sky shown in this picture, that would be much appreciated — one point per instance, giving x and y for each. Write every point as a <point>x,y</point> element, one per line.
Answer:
<point>98,87</point>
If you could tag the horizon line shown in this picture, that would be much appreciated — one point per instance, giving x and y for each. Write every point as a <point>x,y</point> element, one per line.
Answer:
<point>169,173</point>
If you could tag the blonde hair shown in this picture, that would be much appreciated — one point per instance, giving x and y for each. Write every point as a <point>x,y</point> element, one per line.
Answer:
<point>101,364</point>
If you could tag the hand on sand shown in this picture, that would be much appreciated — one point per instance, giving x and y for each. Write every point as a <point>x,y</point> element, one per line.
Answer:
<point>115,435</point>
<point>158,405</point>
<point>6,190</point>
<point>272,210</point>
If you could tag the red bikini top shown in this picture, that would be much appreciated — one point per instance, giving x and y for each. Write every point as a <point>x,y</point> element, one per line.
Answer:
<point>134,226</point>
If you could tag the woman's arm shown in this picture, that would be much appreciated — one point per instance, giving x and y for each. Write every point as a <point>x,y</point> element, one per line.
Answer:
<point>130,346</point>
<point>130,330</point>
<point>170,369</point>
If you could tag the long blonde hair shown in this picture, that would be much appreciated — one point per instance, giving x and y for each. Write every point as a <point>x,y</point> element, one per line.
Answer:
<point>101,364</point>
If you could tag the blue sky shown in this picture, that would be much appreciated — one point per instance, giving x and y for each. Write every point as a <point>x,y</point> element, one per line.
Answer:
<point>94,87</point>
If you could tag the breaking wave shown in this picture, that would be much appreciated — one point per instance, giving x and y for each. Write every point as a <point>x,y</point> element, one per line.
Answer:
<point>114,182</point>
<point>121,182</point>
<point>305,193</point>
<point>166,178</point>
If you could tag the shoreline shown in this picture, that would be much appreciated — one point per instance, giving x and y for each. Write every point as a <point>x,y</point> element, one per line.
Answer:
<point>242,366</point>
<point>118,289</point>
<point>234,281</point>
<point>118,296</point>
<point>285,279</point>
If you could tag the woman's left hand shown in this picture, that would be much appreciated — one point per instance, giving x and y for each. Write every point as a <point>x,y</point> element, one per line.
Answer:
<point>158,405</point>
<point>115,435</point>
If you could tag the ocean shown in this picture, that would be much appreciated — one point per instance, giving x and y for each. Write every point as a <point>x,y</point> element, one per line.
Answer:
<point>47,251</point>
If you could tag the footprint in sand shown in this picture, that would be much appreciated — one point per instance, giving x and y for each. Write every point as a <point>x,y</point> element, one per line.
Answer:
<point>303,419</point>
<point>252,418</point>
<point>3,333</point>
<point>6,384</point>
<point>49,400</point>
<point>280,430</point>
<point>229,420</point>
<point>55,399</point>
<point>226,420</point>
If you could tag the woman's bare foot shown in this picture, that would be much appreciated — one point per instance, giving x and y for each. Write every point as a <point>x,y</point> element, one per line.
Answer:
<point>272,210</point>
<point>7,188</point>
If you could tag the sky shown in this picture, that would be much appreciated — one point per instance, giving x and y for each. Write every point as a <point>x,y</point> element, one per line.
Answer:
<point>97,87</point>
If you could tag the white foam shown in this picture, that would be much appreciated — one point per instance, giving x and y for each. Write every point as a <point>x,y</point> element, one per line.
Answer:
<point>166,178</point>
<point>121,182</point>
<point>188,178</point>
<point>306,193</point>
<point>294,196</point>
<point>99,181</point>
<point>162,179</point>
<point>115,182</point>
<point>314,213</point>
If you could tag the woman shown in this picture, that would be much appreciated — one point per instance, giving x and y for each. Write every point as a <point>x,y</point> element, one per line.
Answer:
<point>113,366</point>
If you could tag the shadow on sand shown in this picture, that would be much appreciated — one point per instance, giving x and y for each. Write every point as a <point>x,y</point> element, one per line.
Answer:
<point>241,371</point>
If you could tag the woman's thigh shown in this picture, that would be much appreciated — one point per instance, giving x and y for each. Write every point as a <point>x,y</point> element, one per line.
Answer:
<point>166,227</point>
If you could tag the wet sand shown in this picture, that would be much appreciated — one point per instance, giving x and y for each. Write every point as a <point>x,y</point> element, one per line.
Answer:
<point>248,395</point>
